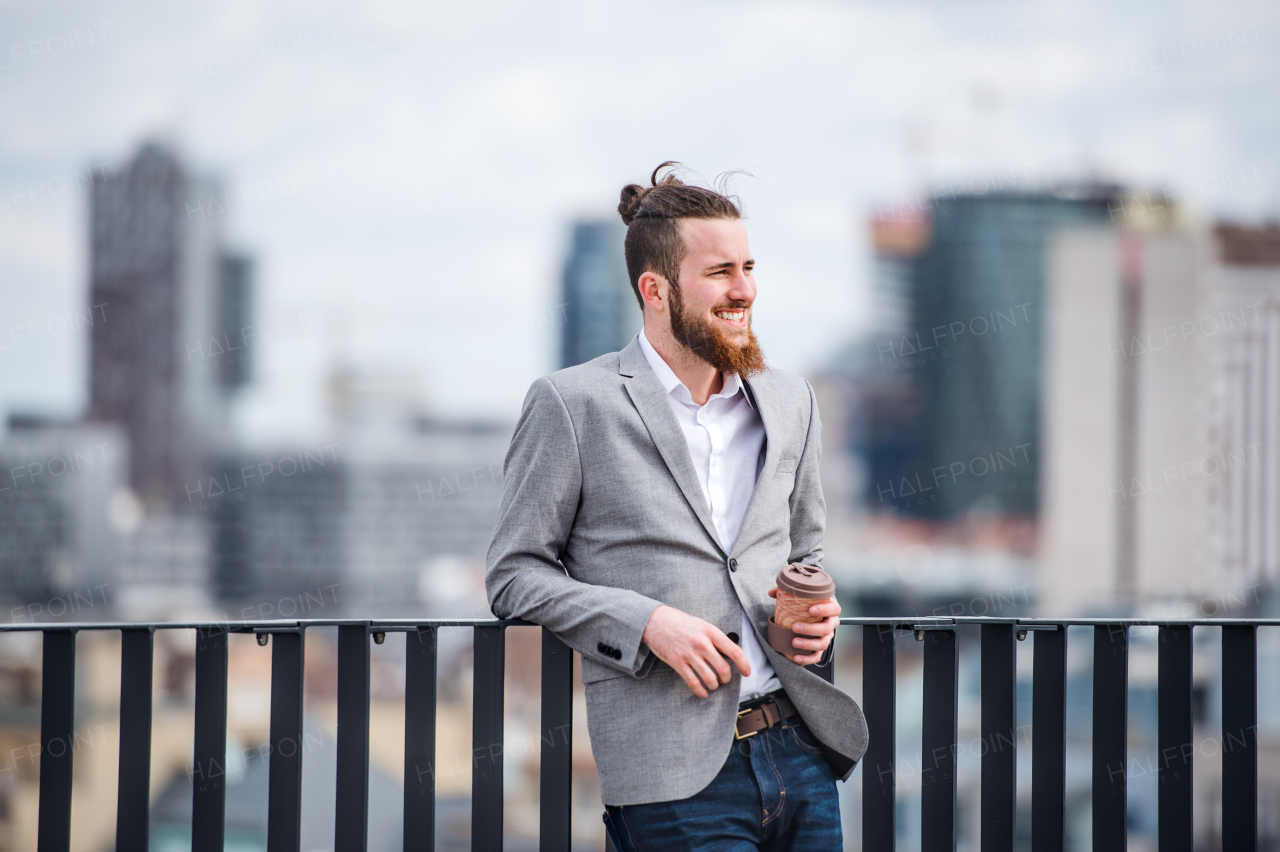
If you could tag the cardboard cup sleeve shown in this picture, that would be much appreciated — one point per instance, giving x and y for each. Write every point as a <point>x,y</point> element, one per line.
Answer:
<point>799,587</point>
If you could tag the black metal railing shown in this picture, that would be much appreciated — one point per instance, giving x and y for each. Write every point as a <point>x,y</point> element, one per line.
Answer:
<point>1109,791</point>
<point>938,747</point>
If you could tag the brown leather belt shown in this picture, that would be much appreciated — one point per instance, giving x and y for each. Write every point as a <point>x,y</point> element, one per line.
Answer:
<point>763,716</point>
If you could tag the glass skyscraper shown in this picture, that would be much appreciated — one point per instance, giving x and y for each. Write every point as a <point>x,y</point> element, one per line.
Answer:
<point>976,341</point>
<point>599,313</point>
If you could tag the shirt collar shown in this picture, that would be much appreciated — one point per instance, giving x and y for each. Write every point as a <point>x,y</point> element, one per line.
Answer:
<point>671,382</point>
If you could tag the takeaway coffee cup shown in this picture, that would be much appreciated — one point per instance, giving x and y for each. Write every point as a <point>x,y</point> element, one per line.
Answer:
<point>799,587</point>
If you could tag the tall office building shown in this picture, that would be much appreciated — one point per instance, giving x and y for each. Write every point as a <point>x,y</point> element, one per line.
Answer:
<point>1243,410</point>
<point>885,393</point>
<point>976,339</point>
<point>1161,421</point>
<point>232,366</point>
<point>599,310</point>
<point>172,342</point>
<point>868,394</point>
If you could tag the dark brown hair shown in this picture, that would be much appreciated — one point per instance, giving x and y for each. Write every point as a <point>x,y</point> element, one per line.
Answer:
<point>652,215</point>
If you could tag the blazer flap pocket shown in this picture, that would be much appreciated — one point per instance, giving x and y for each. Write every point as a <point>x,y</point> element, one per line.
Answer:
<point>787,465</point>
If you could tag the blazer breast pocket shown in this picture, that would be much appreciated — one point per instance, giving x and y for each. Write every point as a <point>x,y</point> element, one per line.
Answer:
<point>786,467</point>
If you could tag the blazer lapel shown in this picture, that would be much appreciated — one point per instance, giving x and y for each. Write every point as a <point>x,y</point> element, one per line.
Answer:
<point>761,391</point>
<point>650,399</point>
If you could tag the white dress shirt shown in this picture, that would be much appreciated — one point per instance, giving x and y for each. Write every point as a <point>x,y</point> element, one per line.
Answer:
<point>726,441</point>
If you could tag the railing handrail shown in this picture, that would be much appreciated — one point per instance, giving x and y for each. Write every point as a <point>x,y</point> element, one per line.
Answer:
<point>402,625</point>
<point>399,625</point>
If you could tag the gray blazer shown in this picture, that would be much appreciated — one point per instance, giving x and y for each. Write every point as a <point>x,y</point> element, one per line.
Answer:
<point>603,518</point>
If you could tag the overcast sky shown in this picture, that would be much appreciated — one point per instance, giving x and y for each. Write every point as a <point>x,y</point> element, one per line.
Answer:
<point>407,171</point>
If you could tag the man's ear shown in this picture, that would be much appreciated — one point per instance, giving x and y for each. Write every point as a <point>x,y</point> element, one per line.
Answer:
<point>653,290</point>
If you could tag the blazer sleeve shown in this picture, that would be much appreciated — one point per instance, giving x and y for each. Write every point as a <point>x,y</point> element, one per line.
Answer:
<point>524,578</point>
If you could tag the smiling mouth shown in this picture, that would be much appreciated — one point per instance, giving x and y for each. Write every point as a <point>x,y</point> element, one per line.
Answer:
<point>735,316</point>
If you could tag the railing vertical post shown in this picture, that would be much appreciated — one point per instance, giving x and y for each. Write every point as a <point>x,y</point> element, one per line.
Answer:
<point>938,749</point>
<point>557,745</point>
<point>827,670</point>
<point>1174,738</point>
<point>1240,738</point>
<point>420,740</point>
<point>879,706</point>
<point>133,790</point>
<point>1110,735</point>
<point>209,777</point>
<point>1049,740</point>
<point>351,821</point>
<point>57,721</point>
<point>999,737</point>
<point>487,740</point>
<point>284,780</point>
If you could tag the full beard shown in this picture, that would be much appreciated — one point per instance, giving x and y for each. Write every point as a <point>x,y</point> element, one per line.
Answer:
<point>701,337</point>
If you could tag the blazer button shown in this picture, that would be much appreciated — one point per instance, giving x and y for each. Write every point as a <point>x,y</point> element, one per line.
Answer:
<point>733,565</point>
<point>601,648</point>
<point>733,637</point>
<point>617,654</point>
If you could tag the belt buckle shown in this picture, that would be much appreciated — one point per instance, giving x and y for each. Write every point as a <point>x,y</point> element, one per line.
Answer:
<point>738,736</point>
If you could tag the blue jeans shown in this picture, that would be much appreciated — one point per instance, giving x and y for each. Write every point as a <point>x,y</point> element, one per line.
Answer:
<point>775,792</point>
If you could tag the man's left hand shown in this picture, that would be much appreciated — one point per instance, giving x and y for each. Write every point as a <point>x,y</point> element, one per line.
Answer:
<point>817,636</point>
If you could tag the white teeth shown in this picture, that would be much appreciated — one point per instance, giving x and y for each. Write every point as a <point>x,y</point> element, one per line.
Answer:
<point>732,316</point>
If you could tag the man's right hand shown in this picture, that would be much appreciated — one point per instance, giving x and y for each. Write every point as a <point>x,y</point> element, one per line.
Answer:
<point>696,649</point>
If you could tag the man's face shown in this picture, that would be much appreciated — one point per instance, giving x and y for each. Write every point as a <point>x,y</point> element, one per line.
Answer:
<point>712,302</point>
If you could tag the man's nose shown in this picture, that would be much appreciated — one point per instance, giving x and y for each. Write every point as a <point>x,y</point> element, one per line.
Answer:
<point>741,288</point>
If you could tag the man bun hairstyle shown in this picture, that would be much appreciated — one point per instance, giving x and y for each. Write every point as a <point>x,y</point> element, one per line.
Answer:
<point>652,215</point>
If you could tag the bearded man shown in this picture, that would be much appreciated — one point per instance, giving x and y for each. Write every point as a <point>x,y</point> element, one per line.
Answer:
<point>650,498</point>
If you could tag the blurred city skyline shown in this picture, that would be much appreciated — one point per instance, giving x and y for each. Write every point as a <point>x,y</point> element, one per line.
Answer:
<point>411,175</point>
<point>1028,256</point>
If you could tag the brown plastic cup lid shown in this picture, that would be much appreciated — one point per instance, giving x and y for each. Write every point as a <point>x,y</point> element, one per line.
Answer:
<point>805,581</point>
